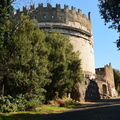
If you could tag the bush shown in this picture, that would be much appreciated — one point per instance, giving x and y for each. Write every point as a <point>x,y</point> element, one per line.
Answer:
<point>21,102</point>
<point>7,104</point>
<point>18,103</point>
<point>10,104</point>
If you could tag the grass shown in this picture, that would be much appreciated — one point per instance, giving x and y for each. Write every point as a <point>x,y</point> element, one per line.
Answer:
<point>37,112</point>
<point>45,109</point>
<point>71,104</point>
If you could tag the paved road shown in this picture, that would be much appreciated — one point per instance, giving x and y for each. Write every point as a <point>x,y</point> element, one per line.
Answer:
<point>102,110</point>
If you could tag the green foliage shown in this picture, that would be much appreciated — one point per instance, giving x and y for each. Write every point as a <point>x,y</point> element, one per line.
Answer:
<point>6,13</point>
<point>17,103</point>
<point>117,79</point>
<point>24,64</point>
<point>6,39</point>
<point>64,66</point>
<point>6,10</point>
<point>110,12</point>
<point>32,62</point>
<point>23,55</point>
<point>10,104</point>
<point>31,56</point>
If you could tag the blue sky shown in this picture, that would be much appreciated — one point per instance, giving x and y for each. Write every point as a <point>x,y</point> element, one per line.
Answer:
<point>104,47</point>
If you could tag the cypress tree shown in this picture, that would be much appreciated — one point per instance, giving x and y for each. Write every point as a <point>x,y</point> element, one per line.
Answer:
<point>64,66</point>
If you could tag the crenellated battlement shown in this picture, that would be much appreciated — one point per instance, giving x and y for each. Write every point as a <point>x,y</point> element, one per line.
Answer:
<point>58,6</point>
<point>58,14</point>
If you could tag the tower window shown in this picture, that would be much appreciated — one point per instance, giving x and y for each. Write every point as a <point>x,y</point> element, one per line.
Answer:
<point>53,17</point>
<point>44,16</point>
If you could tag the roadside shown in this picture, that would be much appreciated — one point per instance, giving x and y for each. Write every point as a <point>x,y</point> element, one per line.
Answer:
<point>54,107</point>
<point>46,110</point>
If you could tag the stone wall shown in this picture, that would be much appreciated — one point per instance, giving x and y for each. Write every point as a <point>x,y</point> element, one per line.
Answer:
<point>86,54</point>
<point>57,14</point>
<point>105,81</point>
<point>88,90</point>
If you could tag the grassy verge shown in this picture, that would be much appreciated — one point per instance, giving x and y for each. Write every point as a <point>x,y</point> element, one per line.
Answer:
<point>37,112</point>
<point>71,104</point>
<point>45,109</point>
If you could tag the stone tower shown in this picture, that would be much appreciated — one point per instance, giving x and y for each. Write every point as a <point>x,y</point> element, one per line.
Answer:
<point>71,23</point>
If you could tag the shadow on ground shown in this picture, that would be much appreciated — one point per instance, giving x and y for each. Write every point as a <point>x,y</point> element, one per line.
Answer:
<point>101,110</point>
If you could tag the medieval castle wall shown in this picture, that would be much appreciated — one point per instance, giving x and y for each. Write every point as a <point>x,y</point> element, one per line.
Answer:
<point>105,81</point>
<point>69,22</point>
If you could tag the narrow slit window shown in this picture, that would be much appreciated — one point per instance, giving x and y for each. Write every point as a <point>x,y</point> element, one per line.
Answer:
<point>53,17</point>
<point>44,16</point>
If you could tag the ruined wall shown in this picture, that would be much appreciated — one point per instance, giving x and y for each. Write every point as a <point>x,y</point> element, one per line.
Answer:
<point>88,90</point>
<point>105,81</point>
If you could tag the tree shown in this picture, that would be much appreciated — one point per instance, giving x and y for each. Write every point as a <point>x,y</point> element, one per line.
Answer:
<point>33,59</point>
<point>25,71</point>
<point>64,66</point>
<point>110,12</point>
<point>117,79</point>
<point>6,10</point>
<point>23,56</point>
<point>9,7</point>
<point>6,37</point>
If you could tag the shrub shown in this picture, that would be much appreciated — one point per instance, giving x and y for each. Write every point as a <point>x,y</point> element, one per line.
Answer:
<point>7,104</point>
<point>21,102</point>
<point>10,104</point>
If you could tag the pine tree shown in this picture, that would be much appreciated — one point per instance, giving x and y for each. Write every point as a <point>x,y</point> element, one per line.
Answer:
<point>30,60</point>
<point>64,66</point>
<point>6,38</point>
<point>26,71</point>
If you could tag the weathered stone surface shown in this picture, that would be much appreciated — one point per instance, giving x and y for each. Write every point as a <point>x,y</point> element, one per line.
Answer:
<point>88,90</point>
<point>105,81</point>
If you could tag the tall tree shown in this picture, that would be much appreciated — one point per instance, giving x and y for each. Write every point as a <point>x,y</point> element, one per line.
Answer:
<point>64,65</point>
<point>33,58</point>
<point>110,12</point>
<point>6,37</point>
<point>26,70</point>
<point>117,79</point>
<point>23,56</point>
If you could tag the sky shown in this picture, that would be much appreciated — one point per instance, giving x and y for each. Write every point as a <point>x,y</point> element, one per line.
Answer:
<point>105,49</point>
